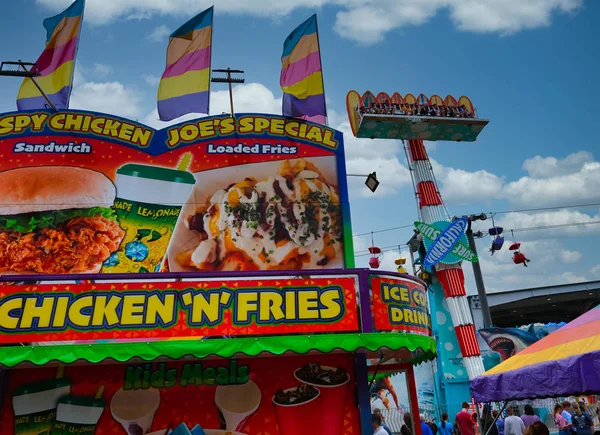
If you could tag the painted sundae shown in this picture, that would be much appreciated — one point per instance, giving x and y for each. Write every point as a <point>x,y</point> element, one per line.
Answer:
<point>313,373</point>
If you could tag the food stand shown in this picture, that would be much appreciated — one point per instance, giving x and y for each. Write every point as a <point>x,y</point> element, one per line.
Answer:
<point>195,280</point>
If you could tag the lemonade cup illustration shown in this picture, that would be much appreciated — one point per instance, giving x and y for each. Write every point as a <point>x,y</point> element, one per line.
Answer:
<point>236,403</point>
<point>35,405</point>
<point>135,409</point>
<point>299,418</point>
<point>149,200</point>
<point>77,414</point>
<point>332,398</point>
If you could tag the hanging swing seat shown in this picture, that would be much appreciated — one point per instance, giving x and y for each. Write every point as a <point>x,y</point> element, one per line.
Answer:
<point>495,231</point>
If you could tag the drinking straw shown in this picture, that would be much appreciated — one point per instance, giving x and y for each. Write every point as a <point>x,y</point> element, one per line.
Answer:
<point>100,392</point>
<point>184,162</point>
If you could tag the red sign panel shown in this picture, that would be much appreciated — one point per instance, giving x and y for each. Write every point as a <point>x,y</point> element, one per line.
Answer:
<point>293,396</point>
<point>400,304</point>
<point>215,307</point>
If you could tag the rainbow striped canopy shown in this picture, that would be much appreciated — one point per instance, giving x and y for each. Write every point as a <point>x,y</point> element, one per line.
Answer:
<point>565,363</point>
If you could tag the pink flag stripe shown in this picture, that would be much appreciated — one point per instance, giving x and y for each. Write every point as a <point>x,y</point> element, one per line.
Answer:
<point>301,69</point>
<point>52,58</point>
<point>319,119</point>
<point>196,61</point>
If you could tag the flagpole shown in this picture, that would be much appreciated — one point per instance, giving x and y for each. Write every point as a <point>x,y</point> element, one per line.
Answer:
<point>39,88</point>
<point>322,78</point>
<point>212,31</point>
<point>75,56</point>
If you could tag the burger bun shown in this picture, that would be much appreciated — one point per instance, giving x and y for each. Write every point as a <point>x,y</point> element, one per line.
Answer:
<point>48,188</point>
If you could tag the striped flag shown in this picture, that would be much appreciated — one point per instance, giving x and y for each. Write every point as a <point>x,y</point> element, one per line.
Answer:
<point>185,84</point>
<point>301,74</point>
<point>57,62</point>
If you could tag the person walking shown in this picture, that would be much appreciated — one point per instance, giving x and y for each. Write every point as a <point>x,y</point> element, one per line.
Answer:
<point>445,427</point>
<point>582,420</point>
<point>425,429</point>
<point>463,419</point>
<point>566,413</point>
<point>407,427</point>
<point>383,425</point>
<point>489,427</point>
<point>563,426</point>
<point>513,425</point>
<point>529,416</point>
<point>377,425</point>
<point>499,422</point>
<point>537,428</point>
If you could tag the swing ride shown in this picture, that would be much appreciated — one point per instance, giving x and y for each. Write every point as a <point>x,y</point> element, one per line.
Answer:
<point>515,247</point>
<point>376,254</point>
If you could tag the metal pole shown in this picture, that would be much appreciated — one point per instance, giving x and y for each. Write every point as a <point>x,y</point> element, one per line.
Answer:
<point>39,89</point>
<point>412,261</point>
<point>487,316</point>
<point>321,63</point>
<point>230,92</point>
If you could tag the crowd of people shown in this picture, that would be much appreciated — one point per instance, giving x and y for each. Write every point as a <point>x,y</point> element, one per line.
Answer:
<point>570,419</point>
<point>405,109</point>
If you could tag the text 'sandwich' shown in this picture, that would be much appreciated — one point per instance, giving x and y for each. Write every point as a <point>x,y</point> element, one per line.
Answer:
<point>56,219</point>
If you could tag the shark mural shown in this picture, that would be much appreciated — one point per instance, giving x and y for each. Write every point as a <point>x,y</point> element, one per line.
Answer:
<point>507,341</point>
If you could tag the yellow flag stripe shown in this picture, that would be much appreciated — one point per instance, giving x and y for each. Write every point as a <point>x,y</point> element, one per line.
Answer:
<point>190,82</point>
<point>51,84</point>
<point>311,85</point>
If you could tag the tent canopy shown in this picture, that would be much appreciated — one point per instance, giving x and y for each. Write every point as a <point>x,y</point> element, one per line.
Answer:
<point>565,363</point>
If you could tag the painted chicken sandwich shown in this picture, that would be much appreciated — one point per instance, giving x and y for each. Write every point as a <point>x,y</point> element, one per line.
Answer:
<point>56,219</point>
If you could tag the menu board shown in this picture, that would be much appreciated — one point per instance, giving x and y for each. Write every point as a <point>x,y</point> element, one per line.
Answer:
<point>86,192</point>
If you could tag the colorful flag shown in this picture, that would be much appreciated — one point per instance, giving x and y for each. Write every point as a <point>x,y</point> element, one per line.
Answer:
<point>57,62</point>
<point>185,84</point>
<point>301,74</point>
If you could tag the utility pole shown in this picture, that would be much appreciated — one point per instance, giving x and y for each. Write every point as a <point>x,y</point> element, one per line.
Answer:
<point>485,308</point>
<point>229,80</point>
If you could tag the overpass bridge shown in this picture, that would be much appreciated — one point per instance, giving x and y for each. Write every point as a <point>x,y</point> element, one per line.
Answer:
<point>556,303</point>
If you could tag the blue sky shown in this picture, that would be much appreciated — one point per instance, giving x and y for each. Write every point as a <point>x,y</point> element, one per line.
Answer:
<point>530,67</point>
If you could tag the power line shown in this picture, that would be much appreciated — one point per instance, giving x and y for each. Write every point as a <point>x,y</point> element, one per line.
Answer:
<point>391,248</point>
<point>559,207</point>
<point>385,230</point>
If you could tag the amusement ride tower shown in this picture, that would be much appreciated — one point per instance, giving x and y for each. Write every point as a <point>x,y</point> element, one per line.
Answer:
<point>413,120</point>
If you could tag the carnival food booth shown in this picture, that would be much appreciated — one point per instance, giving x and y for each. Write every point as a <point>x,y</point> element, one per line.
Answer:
<point>193,280</point>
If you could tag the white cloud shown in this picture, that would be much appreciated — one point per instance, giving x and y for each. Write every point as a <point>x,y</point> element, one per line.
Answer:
<point>365,21</point>
<point>573,180</point>
<point>569,257</point>
<point>391,174</point>
<point>595,270</point>
<point>152,81</point>
<point>507,16</point>
<point>159,34</point>
<point>364,156</point>
<point>545,225</point>
<point>548,167</point>
<point>582,186</point>
<point>463,187</point>
<point>571,278</point>
<point>109,97</point>
<point>101,70</point>
<point>547,258</point>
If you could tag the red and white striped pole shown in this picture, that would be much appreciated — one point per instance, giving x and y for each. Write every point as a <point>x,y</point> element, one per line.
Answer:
<point>451,277</point>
